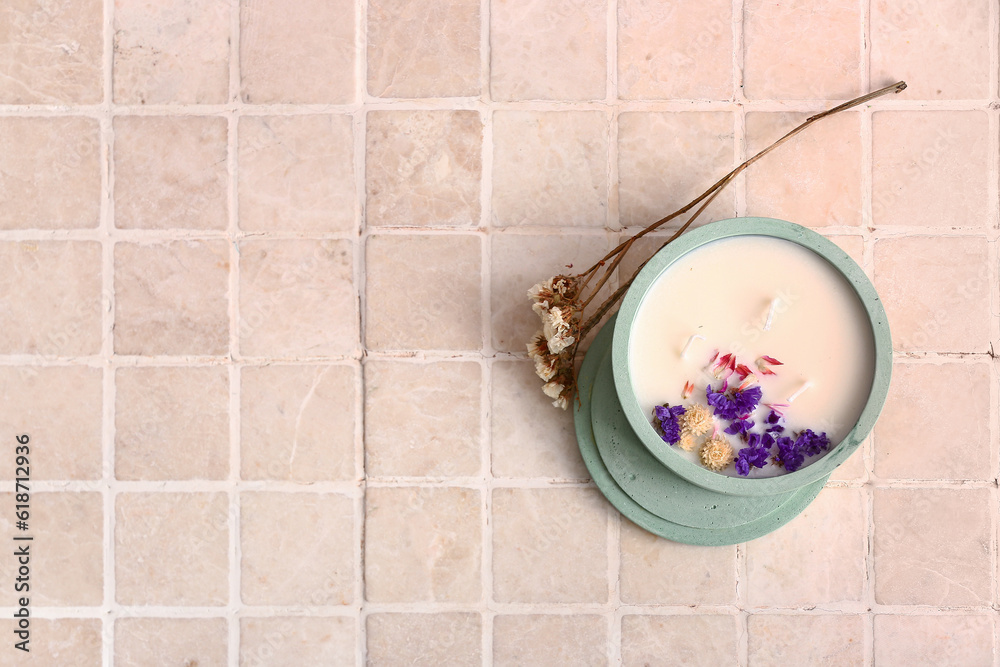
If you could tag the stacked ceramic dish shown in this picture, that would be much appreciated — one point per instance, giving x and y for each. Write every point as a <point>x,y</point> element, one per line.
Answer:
<point>841,360</point>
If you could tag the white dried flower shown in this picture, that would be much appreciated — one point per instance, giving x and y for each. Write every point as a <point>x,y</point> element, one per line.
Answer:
<point>554,323</point>
<point>553,389</point>
<point>696,420</point>
<point>561,402</point>
<point>557,330</point>
<point>716,454</point>
<point>536,291</point>
<point>559,343</point>
<point>538,345</point>
<point>545,367</point>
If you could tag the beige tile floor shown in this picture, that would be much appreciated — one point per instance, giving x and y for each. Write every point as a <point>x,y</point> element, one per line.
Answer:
<point>262,315</point>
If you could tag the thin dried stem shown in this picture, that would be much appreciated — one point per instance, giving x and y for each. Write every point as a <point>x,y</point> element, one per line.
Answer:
<point>897,87</point>
<point>607,274</point>
<point>565,381</point>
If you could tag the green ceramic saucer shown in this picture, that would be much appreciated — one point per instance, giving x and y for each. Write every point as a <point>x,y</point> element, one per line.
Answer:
<point>644,494</point>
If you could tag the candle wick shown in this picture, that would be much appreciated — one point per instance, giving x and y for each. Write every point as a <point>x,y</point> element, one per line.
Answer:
<point>800,391</point>
<point>770,314</point>
<point>687,345</point>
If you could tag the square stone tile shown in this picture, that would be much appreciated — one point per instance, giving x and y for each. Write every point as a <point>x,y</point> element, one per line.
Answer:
<point>425,639</point>
<point>818,557</point>
<point>66,642</point>
<point>807,639</point>
<point>67,561</point>
<point>170,172</point>
<point>814,179</point>
<point>60,408</point>
<point>423,48</point>
<point>688,640</point>
<point>666,159</point>
<point>423,168</point>
<point>553,50</point>
<point>522,260</point>
<point>930,168</point>
<point>424,292</point>
<point>286,641</point>
<point>912,444</point>
<point>172,298</point>
<point>936,292</point>
<point>50,298</point>
<point>297,298</point>
<point>675,51</point>
<point>530,438</point>
<point>550,168</point>
<point>297,174</point>
<point>173,52</point>
<point>422,419</point>
<point>52,53</point>
<point>550,545</point>
<point>550,639</point>
<point>932,546</point>
<point>172,549</point>
<point>171,641</point>
<point>50,171</point>
<point>925,639</point>
<point>782,56</point>
<point>298,422</point>
<point>423,545</point>
<point>172,423</point>
<point>657,571</point>
<point>941,49</point>
<point>279,566</point>
<point>314,39</point>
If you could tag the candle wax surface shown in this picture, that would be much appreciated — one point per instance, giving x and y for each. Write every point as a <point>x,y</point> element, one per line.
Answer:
<point>723,290</point>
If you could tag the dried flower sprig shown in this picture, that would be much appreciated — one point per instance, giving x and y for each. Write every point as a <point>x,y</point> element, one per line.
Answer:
<point>563,303</point>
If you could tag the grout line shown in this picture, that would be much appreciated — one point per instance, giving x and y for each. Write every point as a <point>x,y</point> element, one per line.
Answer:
<point>487,602</point>
<point>868,245</point>
<point>235,370</point>
<point>476,103</point>
<point>150,237</point>
<point>110,608</point>
<point>359,123</point>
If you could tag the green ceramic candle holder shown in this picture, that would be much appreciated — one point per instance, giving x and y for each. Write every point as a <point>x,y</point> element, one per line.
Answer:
<point>640,423</point>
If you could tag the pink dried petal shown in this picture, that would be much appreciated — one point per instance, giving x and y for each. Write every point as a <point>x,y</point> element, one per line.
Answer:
<point>742,371</point>
<point>688,390</point>
<point>724,366</point>
<point>750,379</point>
<point>777,407</point>
<point>771,360</point>
<point>764,370</point>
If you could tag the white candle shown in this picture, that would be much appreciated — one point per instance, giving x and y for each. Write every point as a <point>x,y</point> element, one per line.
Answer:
<point>819,331</point>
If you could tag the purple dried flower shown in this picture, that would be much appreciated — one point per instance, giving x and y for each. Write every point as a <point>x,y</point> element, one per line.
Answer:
<point>765,440</point>
<point>721,402</point>
<point>773,421</point>
<point>665,417</point>
<point>789,456</point>
<point>740,427</point>
<point>811,443</point>
<point>746,401</point>
<point>755,454</point>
